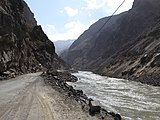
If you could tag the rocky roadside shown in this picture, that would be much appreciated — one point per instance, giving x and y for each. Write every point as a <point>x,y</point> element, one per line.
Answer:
<point>7,74</point>
<point>58,78</point>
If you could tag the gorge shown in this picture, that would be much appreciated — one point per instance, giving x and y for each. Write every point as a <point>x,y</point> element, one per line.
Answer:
<point>128,46</point>
<point>39,86</point>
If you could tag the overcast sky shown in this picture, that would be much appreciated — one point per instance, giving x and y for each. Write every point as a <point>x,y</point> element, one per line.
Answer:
<point>67,19</point>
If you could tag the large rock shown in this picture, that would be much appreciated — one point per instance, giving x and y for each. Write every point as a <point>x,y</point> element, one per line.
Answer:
<point>61,75</point>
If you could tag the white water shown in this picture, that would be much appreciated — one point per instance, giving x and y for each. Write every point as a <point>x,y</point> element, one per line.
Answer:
<point>133,100</point>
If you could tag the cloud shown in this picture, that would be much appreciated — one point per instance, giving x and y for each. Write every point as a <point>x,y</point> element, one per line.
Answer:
<point>70,11</point>
<point>92,22</point>
<point>49,29</point>
<point>108,6</point>
<point>112,5</point>
<point>94,4</point>
<point>61,11</point>
<point>73,30</point>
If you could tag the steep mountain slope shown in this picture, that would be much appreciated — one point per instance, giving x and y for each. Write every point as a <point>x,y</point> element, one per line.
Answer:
<point>140,61</point>
<point>24,47</point>
<point>62,45</point>
<point>80,51</point>
<point>94,46</point>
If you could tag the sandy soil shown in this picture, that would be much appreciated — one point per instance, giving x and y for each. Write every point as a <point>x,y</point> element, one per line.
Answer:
<point>28,98</point>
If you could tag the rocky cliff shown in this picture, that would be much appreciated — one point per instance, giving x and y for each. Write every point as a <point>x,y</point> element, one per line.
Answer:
<point>24,47</point>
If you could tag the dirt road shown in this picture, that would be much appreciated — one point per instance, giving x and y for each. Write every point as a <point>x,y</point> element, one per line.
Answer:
<point>28,98</point>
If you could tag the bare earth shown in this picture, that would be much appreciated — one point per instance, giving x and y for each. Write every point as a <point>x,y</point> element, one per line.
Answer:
<point>28,98</point>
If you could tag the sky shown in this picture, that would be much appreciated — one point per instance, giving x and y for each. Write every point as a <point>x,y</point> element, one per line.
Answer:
<point>68,19</point>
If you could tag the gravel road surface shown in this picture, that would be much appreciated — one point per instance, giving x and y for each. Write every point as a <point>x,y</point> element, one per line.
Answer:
<point>26,97</point>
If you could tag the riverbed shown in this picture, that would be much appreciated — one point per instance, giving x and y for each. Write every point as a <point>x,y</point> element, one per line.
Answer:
<point>133,100</point>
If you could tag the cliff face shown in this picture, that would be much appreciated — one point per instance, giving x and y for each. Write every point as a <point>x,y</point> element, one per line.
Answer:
<point>24,47</point>
<point>93,47</point>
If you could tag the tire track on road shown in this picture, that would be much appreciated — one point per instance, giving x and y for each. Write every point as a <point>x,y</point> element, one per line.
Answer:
<point>40,94</point>
<point>18,101</point>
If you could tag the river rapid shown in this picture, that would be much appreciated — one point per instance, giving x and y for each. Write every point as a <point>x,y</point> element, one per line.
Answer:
<point>133,100</point>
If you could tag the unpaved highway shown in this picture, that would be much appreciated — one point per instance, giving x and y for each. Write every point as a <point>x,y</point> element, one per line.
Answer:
<point>26,97</point>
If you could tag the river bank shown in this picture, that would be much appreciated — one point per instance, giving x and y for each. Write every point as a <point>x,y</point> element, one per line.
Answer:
<point>54,80</point>
<point>133,100</point>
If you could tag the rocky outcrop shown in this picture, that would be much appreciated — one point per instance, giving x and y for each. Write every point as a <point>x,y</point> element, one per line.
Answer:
<point>24,47</point>
<point>61,75</point>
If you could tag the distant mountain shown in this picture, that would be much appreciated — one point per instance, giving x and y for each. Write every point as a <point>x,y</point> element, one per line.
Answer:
<point>62,45</point>
<point>97,49</point>
<point>24,47</point>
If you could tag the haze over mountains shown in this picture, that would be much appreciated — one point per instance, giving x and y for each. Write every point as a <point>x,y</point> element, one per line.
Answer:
<point>62,45</point>
<point>128,46</point>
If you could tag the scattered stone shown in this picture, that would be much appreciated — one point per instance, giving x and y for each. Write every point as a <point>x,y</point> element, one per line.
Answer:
<point>93,109</point>
<point>56,79</point>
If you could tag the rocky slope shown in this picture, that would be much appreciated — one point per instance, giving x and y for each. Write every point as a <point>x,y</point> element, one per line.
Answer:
<point>24,47</point>
<point>97,44</point>
<point>140,61</point>
<point>81,51</point>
